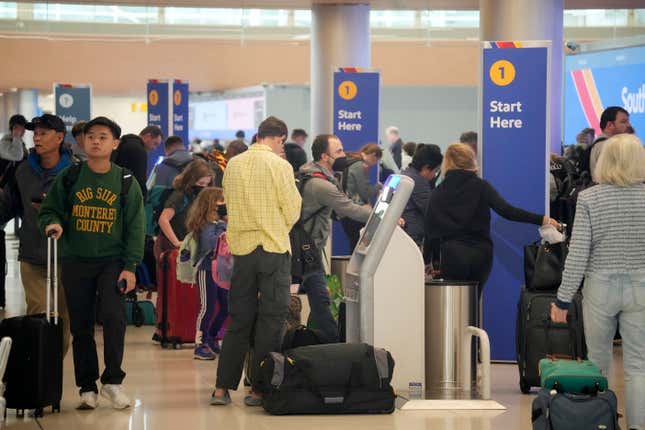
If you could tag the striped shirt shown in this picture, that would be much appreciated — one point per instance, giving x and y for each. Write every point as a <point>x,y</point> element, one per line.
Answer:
<point>262,201</point>
<point>608,235</point>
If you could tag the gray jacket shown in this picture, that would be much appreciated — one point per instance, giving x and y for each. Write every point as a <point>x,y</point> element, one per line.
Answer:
<point>12,149</point>
<point>166,171</point>
<point>31,182</point>
<point>359,188</point>
<point>321,193</point>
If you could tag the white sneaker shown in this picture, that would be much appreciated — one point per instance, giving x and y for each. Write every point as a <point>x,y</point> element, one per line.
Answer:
<point>115,394</point>
<point>89,400</point>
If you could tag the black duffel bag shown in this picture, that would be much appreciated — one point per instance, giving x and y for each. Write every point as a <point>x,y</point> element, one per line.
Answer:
<point>543,265</point>
<point>339,378</point>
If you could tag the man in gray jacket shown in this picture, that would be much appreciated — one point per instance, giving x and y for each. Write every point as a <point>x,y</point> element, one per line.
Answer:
<point>320,196</point>
<point>177,157</point>
<point>22,197</point>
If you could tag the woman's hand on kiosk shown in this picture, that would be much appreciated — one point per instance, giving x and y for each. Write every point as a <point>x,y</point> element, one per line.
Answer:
<point>401,222</point>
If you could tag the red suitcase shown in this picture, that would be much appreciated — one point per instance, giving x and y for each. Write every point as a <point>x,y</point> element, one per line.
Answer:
<point>177,304</point>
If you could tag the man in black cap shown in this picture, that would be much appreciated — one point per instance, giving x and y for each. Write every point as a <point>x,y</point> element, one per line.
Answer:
<point>20,198</point>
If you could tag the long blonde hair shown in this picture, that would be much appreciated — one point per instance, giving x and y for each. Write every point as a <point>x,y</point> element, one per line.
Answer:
<point>204,209</point>
<point>459,156</point>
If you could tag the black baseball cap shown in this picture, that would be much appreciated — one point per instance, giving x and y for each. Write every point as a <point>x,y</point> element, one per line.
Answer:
<point>49,121</point>
<point>17,120</point>
<point>106,122</point>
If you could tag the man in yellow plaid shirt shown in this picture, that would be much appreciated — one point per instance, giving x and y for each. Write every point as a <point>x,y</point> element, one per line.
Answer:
<point>263,204</point>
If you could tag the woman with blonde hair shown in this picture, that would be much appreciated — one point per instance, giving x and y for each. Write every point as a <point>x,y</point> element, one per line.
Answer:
<point>608,251</point>
<point>458,218</point>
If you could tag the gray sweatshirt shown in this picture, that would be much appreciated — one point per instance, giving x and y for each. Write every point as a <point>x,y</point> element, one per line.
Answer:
<point>319,193</point>
<point>608,236</point>
<point>12,148</point>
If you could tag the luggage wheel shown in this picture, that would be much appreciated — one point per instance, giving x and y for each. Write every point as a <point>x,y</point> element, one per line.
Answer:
<point>39,413</point>
<point>56,408</point>
<point>525,388</point>
<point>176,345</point>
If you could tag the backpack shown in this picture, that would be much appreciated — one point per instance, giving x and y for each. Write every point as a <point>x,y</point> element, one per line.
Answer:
<point>73,171</point>
<point>187,260</point>
<point>351,160</point>
<point>156,200</point>
<point>305,256</point>
<point>154,205</point>
<point>222,263</point>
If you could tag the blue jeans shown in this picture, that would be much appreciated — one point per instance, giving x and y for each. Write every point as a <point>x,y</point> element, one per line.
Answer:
<point>609,299</point>
<point>315,285</point>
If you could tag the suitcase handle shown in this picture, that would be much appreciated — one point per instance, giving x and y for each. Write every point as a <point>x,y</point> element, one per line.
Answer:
<point>52,242</point>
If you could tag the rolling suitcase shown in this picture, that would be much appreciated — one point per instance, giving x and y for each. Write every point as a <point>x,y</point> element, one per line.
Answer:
<point>553,410</point>
<point>340,378</point>
<point>34,376</point>
<point>537,336</point>
<point>177,304</point>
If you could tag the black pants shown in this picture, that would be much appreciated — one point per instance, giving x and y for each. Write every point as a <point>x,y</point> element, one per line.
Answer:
<point>83,281</point>
<point>467,261</point>
<point>353,231</point>
<point>258,299</point>
<point>3,267</point>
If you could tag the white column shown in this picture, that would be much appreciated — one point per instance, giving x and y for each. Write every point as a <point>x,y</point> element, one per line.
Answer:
<point>531,20</point>
<point>340,37</point>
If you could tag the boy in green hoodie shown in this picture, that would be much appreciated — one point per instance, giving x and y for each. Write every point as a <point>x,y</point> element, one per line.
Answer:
<point>97,210</point>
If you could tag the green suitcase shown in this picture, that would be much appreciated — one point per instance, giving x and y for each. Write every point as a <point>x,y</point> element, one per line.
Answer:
<point>571,376</point>
<point>140,312</point>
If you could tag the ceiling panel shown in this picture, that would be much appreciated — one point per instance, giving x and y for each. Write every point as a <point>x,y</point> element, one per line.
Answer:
<point>375,4</point>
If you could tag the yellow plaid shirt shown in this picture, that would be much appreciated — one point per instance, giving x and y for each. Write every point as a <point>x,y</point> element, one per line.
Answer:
<point>262,201</point>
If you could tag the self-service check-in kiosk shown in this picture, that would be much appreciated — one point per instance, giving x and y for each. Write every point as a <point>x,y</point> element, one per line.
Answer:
<point>385,295</point>
<point>389,305</point>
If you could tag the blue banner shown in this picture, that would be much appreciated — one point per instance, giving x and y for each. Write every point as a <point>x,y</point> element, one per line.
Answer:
<point>356,123</point>
<point>73,104</point>
<point>180,110</point>
<point>514,150</point>
<point>158,114</point>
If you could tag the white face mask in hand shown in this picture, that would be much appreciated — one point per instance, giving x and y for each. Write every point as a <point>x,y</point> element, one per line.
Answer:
<point>551,234</point>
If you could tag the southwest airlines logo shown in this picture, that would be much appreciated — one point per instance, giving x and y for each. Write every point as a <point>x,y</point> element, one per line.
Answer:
<point>633,101</point>
<point>588,96</point>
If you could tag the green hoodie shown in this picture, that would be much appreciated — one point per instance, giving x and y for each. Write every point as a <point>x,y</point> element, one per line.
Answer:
<point>93,219</point>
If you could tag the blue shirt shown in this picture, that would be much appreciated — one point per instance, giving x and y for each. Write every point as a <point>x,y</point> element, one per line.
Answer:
<point>207,241</point>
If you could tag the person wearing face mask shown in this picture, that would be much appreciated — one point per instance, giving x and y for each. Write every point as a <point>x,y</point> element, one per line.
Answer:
<point>423,169</point>
<point>172,220</point>
<point>321,195</point>
<point>206,222</point>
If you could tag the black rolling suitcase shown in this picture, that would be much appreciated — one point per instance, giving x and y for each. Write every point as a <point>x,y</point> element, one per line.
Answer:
<point>537,336</point>
<point>338,378</point>
<point>34,375</point>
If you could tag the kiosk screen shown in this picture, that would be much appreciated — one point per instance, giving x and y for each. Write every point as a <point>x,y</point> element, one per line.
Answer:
<point>379,212</point>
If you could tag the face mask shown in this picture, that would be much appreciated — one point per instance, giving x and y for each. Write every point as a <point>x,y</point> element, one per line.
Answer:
<point>197,189</point>
<point>340,164</point>
<point>221,211</point>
